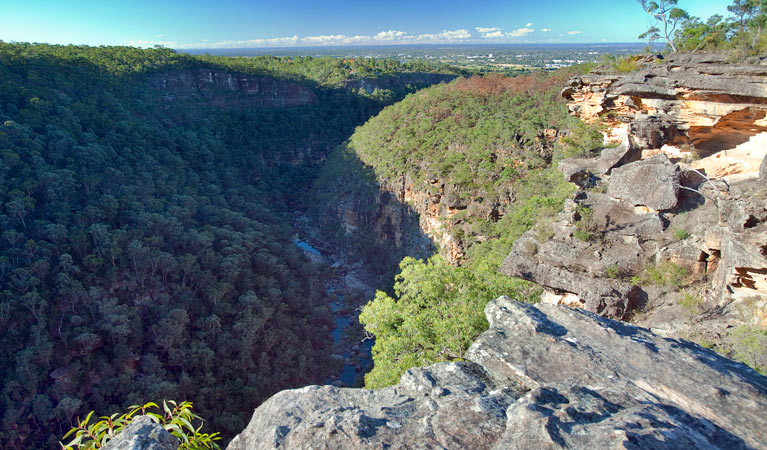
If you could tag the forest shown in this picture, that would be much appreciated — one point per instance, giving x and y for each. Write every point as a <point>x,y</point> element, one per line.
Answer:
<point>146,251</point>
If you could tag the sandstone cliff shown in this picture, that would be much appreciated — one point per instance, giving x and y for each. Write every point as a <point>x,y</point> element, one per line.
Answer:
<point>224,89</point>
<point>668,229</point>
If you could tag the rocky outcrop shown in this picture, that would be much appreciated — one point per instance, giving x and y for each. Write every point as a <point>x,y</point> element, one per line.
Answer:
<point>230,90</point>
<point>541,377</point>
<point>646,202</point>
<point>143,434</point>
<point>698,99</point>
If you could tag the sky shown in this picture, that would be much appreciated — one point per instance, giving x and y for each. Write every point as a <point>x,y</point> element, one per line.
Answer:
<point>184,24</point>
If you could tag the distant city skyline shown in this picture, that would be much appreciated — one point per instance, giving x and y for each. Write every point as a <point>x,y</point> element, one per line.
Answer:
<point>193,24</point>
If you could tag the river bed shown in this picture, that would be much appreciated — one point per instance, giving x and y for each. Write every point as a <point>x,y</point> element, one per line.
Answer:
<point>349,341</point>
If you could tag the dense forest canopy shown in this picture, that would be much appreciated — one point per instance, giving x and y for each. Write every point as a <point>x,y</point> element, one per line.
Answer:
<point>146,251</point>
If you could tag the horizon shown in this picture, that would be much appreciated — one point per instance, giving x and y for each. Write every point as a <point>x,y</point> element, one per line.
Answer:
<point>242,24</point>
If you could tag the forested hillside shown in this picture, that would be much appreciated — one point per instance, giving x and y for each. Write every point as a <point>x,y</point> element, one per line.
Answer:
<point>146,243</point>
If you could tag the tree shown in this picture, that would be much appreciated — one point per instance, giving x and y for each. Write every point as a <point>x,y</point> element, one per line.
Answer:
<point>665,12</point>
<point>696,35</point>
<point>436,314</point>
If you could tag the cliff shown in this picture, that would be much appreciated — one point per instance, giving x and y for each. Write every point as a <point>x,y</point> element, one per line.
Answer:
<point>669,228</point>
<point>229,90</point>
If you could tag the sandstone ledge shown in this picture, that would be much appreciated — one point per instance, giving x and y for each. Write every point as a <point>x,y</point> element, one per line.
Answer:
<point>541,377</point>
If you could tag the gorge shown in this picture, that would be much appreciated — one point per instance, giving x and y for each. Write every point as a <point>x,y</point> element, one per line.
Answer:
<point>210,228</point>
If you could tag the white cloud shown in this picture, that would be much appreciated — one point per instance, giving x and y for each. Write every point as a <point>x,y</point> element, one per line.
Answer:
<point>478,34</point>
<point>143,43</point>
<point>446,35</point>
<point>519,32</point>
<point>545,30</point>
<point>493,35</point>
<point>573,33</point>
<point>389,35</point>
<point>529,24</point>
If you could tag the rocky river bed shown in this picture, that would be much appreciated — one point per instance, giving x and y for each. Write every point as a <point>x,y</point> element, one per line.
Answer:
<point>349,287</point>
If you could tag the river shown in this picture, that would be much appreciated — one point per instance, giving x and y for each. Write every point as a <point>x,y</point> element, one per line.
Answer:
<point>348,290</point>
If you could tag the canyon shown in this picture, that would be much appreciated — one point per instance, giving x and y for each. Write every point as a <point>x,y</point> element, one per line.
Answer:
<point>679,193</point>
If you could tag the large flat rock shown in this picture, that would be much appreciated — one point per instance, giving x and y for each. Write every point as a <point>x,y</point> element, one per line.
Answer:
<point>541,377</point>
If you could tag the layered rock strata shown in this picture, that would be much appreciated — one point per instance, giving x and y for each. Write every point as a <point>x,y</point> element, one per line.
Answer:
<point>699,99</point>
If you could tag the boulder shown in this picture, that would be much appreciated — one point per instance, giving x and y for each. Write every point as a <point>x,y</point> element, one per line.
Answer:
<point>579,170</point>
<point>619,218</point>
<point>651,131</point>
<point>653,182</point>
<point>763,171</point>
<point>596,379</point>
<point>542,376</point>
<point>585,171</point>
<point>143,434</point>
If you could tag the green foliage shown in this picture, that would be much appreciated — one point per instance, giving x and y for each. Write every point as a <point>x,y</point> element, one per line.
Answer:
<point>667,17</point>
<point>681,234</point>
<point>177,418</point>
<point>691,303</point>
<point>663,274</point>
<point>743,34</point>
<point>748,344</point>
<point>613,271</point>
<point>482,139</point>
<point>585,227</point>
<point>435,314</point>
<point>625,64</point>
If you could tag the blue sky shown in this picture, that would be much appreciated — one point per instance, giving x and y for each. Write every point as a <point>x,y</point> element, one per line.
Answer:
<point>242,23</point>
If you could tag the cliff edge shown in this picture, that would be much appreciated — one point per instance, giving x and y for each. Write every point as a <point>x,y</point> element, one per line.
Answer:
<point>541,377</point>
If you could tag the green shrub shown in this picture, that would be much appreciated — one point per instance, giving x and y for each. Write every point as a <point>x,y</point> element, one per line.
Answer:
<point>663,274</point>
<point>585,227</point>
<point>681,234</point>
<point>177,418</point>
<point>748,344</point>
<point>627,64</point>
<point>691,303</point>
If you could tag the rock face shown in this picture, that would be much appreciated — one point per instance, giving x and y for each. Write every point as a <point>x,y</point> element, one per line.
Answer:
<point>653,183</point>
<point>700,99</point>
<point>143,434</point>
<point>223,89</point>
<point>541,377</point>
